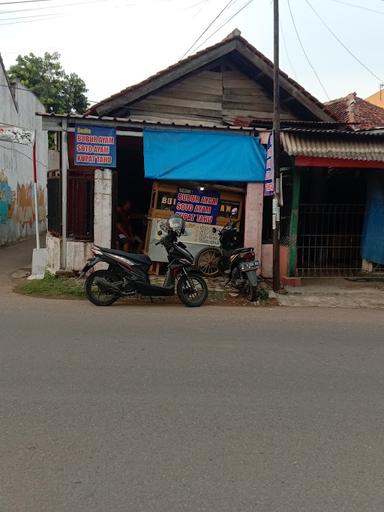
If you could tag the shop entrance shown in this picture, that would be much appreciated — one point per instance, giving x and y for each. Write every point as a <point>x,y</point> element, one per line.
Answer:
<point>141,204</point>
<point>132,195</point>
<point>331,218</point>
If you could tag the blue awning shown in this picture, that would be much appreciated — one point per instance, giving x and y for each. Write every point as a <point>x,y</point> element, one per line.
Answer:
<point>190,155</point>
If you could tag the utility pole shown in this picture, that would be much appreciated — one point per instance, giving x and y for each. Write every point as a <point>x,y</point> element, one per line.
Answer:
<point>276,150</point>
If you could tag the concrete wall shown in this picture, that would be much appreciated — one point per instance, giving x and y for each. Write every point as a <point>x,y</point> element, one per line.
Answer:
<point>77,254</point>
<point>254,217</point>
<point>16,165</point>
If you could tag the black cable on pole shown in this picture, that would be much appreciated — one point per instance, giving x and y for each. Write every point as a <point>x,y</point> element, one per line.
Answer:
<point>305,53</point>
<point>208,27</point>
<point>344,45</point>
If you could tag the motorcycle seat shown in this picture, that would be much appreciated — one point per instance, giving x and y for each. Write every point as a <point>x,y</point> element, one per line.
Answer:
<point>142,259</point>
<point>243,249</point>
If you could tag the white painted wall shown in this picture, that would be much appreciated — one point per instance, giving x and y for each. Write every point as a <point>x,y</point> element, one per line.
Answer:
<point>16,169</point>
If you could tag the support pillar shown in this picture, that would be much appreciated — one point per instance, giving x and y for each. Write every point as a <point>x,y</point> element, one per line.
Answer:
<point>294,223</point>
<point>254,217</point>
<point>102,227</point>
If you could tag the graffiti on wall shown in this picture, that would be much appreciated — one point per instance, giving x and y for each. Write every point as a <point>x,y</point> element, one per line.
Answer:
<point>17,205</point>
<point>6,198</point>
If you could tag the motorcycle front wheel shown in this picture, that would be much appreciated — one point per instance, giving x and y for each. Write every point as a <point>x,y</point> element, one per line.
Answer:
<point>95,292</point>
<point>192,290</point>
<point>252,286</point>
<point>207,261</point>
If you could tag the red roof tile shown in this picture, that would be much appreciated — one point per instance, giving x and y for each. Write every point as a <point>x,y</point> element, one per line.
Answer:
<point>358,113</point>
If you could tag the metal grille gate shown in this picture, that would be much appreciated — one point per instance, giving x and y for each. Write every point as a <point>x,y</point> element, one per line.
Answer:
<point>329,239</point>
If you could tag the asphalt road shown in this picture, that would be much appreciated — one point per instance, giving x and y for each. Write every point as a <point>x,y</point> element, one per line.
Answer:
<point>168,409</point>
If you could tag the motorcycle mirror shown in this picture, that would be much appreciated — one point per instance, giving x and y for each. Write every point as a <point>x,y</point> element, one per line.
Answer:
<point>214,230</point>
<point>159,233</point>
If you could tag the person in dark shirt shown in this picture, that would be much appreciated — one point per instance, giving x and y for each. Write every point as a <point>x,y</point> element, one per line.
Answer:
<point>124,228</point>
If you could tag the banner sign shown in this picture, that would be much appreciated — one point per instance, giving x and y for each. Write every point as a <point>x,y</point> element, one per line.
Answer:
<point>95,146</point>
<point>269,169</point>
<point>17,135</point>
<point>200,206</point>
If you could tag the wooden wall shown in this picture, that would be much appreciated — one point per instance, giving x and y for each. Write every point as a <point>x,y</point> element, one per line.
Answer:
<point>208,97</point>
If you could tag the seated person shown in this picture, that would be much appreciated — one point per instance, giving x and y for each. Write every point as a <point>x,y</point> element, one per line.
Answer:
<point>132,243</point>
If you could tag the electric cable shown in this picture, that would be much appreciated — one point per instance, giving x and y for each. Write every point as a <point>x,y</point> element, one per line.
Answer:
<point>305,53</point>
<point>224,23</point>
<point>359,6</point>
<point>227,5</point>
<point>343,44</point>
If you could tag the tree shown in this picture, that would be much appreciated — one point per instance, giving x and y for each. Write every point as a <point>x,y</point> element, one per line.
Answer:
<point>44,76</point>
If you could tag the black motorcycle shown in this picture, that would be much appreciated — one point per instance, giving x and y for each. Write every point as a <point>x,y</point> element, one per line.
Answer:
<point>231,260</point>
<point>127,273</point>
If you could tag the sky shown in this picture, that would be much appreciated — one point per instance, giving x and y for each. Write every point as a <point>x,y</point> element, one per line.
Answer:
<point>112,44</point>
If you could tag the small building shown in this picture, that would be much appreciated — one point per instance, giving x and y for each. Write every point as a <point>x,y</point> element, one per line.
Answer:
<point>377,98</point>
<point>18,107</point>
<point>200,125</point>
<point>337,210</point>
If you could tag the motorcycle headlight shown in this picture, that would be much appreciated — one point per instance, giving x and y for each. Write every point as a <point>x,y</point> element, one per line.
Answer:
<point>176,224</point>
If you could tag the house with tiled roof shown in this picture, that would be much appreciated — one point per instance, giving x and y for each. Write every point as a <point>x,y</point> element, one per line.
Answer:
<point>203,124</point>
<point>355,112</point>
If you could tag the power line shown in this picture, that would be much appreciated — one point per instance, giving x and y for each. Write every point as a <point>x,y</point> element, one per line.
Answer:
<point>225,23</point>
<point>286,51</point>
<point>344,45</point>
<point>32,16</point>
<point>208,27</point>
<point>22,154</point>
<point>42,17</point>
<point>31,92</point>
<point>305,53</point>
<point>25,2</point>
<point>33,9</point>
<point>359,6</point>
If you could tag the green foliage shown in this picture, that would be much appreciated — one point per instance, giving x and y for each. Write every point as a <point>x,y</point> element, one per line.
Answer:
<point>263,294</point>
<point>53,286</point>
<point>57,91</point>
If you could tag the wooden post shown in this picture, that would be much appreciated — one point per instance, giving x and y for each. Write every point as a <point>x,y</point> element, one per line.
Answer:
<point>294,222</point>
<point>276,150</point>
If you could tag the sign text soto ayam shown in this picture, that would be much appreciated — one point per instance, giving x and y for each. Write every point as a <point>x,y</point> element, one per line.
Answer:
<point>197,206</point>
<point>95,145</point>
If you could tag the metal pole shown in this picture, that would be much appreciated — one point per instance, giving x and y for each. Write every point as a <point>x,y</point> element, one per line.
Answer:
<point>35,192</point>
<point>64,195</point>
<point>276,149</point>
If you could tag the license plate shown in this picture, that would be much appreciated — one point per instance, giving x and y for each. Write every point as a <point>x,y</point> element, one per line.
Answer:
<point>246,266</point>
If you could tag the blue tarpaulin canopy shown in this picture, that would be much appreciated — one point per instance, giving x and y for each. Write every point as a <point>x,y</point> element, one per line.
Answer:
<point>373,234</point>
<point>190,155</point>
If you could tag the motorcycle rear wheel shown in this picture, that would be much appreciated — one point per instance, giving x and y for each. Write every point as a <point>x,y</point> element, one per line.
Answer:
<point>207,261</point>
<point>192,290</point>
<point>93,291</point>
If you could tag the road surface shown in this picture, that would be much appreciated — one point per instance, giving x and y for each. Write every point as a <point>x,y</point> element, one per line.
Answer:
<point>168,409</point>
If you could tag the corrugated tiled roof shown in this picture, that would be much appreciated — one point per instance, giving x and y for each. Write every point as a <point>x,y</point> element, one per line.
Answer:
<point>235,36</point>
<point>355,111</point>
<point>334,144</point>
